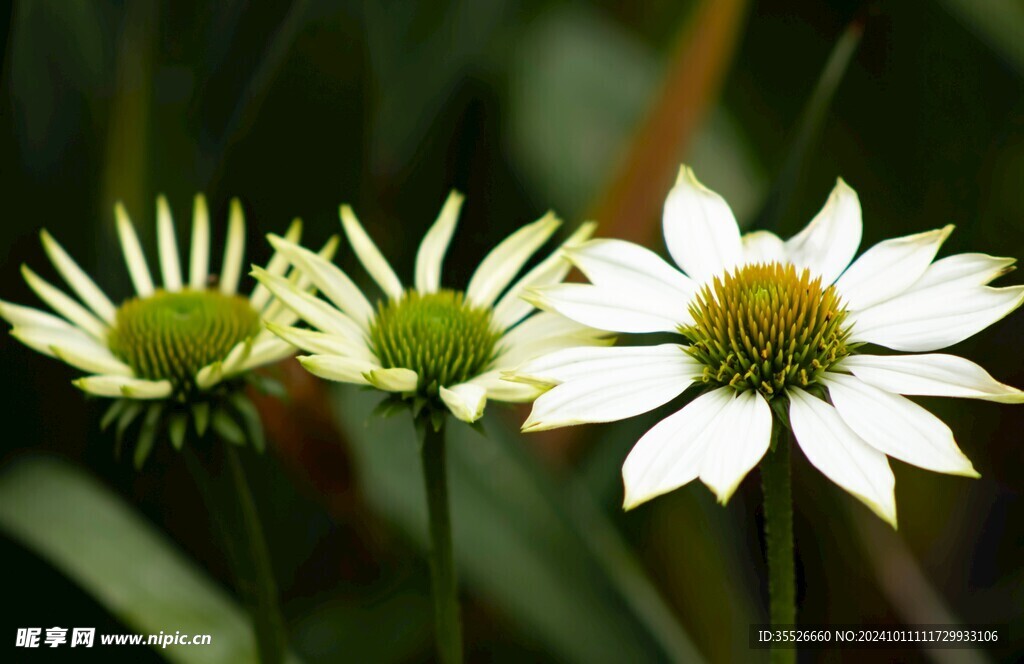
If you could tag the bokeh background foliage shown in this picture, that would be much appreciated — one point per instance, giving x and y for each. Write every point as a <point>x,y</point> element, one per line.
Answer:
<point>586,108</point>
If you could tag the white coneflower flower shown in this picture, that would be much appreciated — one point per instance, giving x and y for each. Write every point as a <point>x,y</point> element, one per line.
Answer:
<point>170,352</point>
<point>439,348</point>
<point>771,325</point>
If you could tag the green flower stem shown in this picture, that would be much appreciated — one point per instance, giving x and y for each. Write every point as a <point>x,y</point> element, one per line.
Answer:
<point>778,527</point>
<point>442,565</point>
<point>255,573</point>
<point>227,495</point>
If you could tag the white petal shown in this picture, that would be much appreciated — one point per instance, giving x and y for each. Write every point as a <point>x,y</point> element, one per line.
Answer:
<point>393,380</point>
<point>670,454</point>
<point>276,311</point>
<point>277,266</point>
<point>321,343</point>
<point>466,401</point>
<point>605,384</point>
<point>963,270</point>
<point>763,247</point>
<point>329,279</point>
<point>889,268</point>
<point>503,263</point>
<point>623,265</point>
<point>740,440</point>
<point>576,363</point>
<point>133,255</point>
<point>234,249</point>
<point>121,386</point>
<point>700,229</point>
<point>73,347</point>
<point>20,316</point>
<point>64,305</point>
<point>613,309</point>
<point>79,281</point>
<point>435,243</point>
<point>545,333</point>
<point>841,455</point>
<point>512,308</point>
<point>369,255</point>
<point>341,369</point>
<point>543,325</point>
<point>313,310</point>
<point>930,375</point>
<point>266,351</point>
<point>828,244</point>
<point>199,263</point>
<point>935,317</point>
<point>167,243</point>
<point>500,389</point>
<point>897,426</point>
<point>216,372</point>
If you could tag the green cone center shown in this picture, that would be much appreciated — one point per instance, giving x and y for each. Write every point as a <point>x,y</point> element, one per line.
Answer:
<point>766,326</point>
<point>173,335</point>
<point>440,336</point>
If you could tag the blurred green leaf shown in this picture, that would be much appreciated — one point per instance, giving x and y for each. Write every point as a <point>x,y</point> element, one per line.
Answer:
<point>551,561</point>
<point>92,536</point>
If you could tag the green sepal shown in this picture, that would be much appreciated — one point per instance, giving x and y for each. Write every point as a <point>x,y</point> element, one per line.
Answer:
<point>147,436</point>
<point>390,407</point>
<point>201,416</point>
<point>227,428</point>
<point>250,420</point>
<point>113,413</point>
<point>131,411</point>
<point>177,426</point>
<point>780,407</point>
<point>266,385</point>
<point>437,420</point>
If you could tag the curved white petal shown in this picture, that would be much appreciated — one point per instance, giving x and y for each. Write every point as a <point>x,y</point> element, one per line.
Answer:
<point>276,311</point>
<point>624,265</point>
<point>512,308</point>
<point>935,317</point>
<point>841,455</point>
<point>133,255</point>
<point>432,249</point>
<point>963,270</point>
<point>740,440</point>
<point>167,244</point>
<point>64,305</point>
<point>889,268</point>
<point>122,386</point>
<point>500,389</point>
<point>930,375</point>
<point>234,249</point>
<point>670,454</point>
<point>199,261</point>
<point>393,380</point>
<point>73,347</point>
<point>266,350</point>
<point>828,244</point>
<point>897,426</point>
<point>466,401</point>
<point>341,369</point>
<point>329,279</point>
<point>312,309</point>
<point>502,264</point>
<point>763,247</point>
<point>277,266</point>
<point>79,281</point>
<point>321,343</point>
<point>21,316</point>
<point>369,255</point>
<point>545,333</point>
<point>612,309</point>
<point>700,230</point>
<point>605,384</point>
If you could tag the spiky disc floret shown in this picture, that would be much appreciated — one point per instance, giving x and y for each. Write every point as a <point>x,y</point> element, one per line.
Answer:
<point>440,336</point>
<point>765,326</point>
<point>172,335</point>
